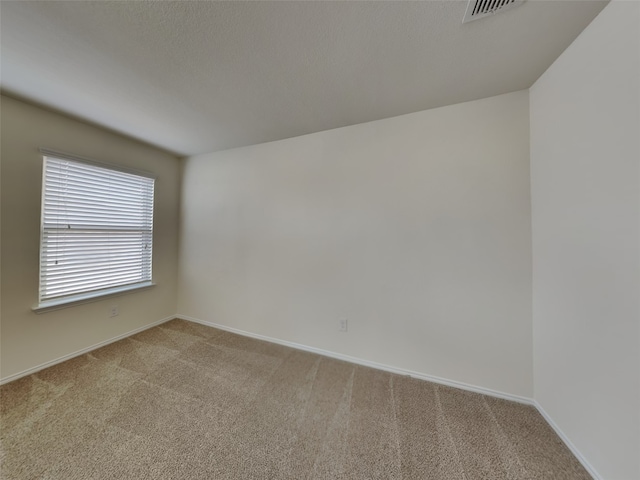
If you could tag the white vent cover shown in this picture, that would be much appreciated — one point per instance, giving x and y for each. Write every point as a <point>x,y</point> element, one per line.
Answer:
<point>481,8</point>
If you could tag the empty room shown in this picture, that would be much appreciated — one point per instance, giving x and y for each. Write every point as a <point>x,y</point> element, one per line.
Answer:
<point>320,240</point>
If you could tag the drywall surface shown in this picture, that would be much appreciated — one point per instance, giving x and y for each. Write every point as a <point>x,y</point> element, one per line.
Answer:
<point>202,76</point>
<point>585,154</point>
<point>416,229</point>
<point>29,340</point>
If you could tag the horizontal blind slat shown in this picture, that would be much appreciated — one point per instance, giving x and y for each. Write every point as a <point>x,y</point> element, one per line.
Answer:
<point>64,291</point>
<point>101,190</point>
<point>99,274</point>
<point>97,190</point>
<point>69,169</point>
<point>92,284</point>
<point>53,272</point>
<point>98,280</point>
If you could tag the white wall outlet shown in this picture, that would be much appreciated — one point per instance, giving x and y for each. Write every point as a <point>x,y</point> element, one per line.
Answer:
<point>343,325</point>
<point>114,311</point>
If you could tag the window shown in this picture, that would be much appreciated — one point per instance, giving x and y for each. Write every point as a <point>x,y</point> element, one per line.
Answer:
<point>97,230</point>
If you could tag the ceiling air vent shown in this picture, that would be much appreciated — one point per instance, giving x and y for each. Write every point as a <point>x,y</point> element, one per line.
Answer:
<point>482,8</point>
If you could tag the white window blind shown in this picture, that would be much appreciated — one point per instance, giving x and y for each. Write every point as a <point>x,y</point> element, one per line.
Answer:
<point>97,229</point>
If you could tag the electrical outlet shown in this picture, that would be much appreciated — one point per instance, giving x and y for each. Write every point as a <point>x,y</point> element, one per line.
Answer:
<point>343,325</point>
<point>114,311</point>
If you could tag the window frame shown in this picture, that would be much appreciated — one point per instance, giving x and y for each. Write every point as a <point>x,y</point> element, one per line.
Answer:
<point>91,295</point>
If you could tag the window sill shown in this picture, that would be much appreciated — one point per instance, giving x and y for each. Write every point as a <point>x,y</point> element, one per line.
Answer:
<point>72,300</point>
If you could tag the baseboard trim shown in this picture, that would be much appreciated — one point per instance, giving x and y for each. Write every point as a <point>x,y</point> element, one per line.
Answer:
<point>585,463</point>
<point>366,363</point>
<point>64,358</point>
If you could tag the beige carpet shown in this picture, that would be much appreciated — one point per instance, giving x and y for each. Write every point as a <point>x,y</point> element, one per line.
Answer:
<point>185,401</point>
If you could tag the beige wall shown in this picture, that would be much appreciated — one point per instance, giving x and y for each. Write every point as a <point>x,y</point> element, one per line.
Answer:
<point>415,228</point>
<point>29,340</point>
<point>585,159</point>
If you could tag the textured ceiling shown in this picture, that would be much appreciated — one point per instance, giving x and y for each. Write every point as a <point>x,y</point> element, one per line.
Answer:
<point>194,77</point>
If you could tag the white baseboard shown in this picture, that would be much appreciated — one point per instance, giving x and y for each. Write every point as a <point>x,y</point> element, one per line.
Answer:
<point>585,463</point>
<point>366,363</point>
<point>64,358</point>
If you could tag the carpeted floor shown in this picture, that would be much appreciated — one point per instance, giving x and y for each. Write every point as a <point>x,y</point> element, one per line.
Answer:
<point>185,401</point>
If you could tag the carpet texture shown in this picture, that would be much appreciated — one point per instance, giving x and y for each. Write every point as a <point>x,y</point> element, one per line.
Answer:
<point>185,401</point>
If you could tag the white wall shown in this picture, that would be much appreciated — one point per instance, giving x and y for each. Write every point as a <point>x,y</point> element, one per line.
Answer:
<point>585,154</point>
<point>29,340</point>
<point>415,228</point>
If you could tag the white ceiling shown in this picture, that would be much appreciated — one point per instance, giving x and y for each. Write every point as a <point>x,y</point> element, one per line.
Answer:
<point>195,77</point>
